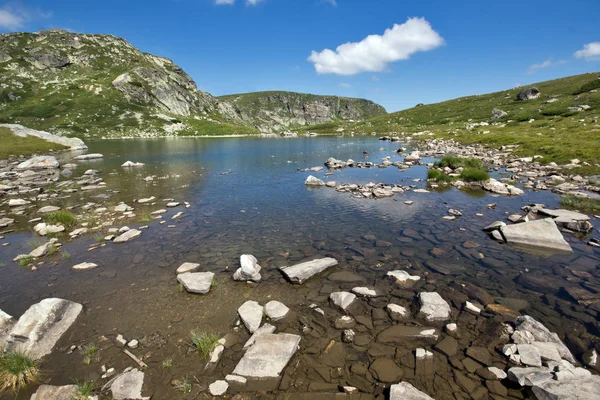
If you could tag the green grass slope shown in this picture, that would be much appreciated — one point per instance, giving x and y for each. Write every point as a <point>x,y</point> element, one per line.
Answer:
<point>537,126</point>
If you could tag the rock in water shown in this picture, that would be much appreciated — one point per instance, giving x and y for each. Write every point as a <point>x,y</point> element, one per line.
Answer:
<point>342,300</point>
<point>127,385</point>
<point>276,310</point>
<point>39,162</point>
<point>93,156</point>
<point>42,325</point>
<point>541,334</point>
<point>85,266</point>
<point>249,270</point>
<point>434,307</point>
<point>196,282</point>
<point>300,273</point>
<point>541,233</point>
<point>406,391</point>
<point>127,236</point>
<point>48,392</point>
<point>251,314</point>
<point>312,181</point>
<point>268,356</point>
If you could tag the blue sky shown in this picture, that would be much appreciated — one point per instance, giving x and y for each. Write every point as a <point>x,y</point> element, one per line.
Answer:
<point>449,48</point>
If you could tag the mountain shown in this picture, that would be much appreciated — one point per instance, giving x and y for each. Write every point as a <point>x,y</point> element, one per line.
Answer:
<point>561,123</point>
<point>89,85</point>
<point>277,110</point>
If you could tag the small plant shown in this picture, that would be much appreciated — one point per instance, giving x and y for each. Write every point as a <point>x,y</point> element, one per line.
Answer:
<point>474,175</point>
<point>438,176</point>
<point>84,389</point>
<point>145,218</point>
<point>63,217</point>
<point>17,370</point>
<point>89,352</point>
<point>25,261</point>
<point>184,386</point>
<point>457,162</point>
<point>167,363</point>
<point>35,242</point>
<point>65,255</point>
<point>180,288</point>
<point>204,342</point>
<point>99,238</point>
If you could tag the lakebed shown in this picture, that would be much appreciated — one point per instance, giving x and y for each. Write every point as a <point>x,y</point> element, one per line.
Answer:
<point>247,196</point>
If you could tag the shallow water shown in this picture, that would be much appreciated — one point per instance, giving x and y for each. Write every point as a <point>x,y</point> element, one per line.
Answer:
<point>247,196</point>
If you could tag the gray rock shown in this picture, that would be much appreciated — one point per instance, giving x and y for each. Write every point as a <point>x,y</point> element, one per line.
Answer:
<point>196,282</point>
<point>4,222</point>
<point>72,143</point>
<point>48,392</point>
<point>382,192</point>
<point>494,226</point>
<point>547,350</point>
<point>434,307</point>
<point>41,326</point>
<point>276,310</point>
<point>18,202</point>
<point>127,236</point>
<point>497,113</point>
<point>397,312</point>
<point>215,357</point>
<point>402,277</point>
<point>218,388</point>
<point>406,391</point>
<point>39,162</point>
<point>528,94</point>
<point>6,324</point>
<point>530,355</point>
<point>529,376</point>
<point>542,334</point>
<point>500,374</point>
<point>364,291</point>
<point>266,328</point>
<point>541,234</point>
<point>127,386</point>
<point>187,267</point>
<point>92,156</point>
<point>42,250</point>
<point>251,314</point>
<point>43,229</point>
<point>249,269</point>
<point>312,181</point>
<point>48,209</point>
<point>580,389</point>
<point>268,356</point>
<point>300,273</point>
<point>342,300</point>
<point>85,266</point>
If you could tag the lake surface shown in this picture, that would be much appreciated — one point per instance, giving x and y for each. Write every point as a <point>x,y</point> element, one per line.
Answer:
<point>247,196</point>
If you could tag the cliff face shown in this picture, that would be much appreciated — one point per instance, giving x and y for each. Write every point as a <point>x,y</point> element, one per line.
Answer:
<point>101,86</point>
<point>275,111</point>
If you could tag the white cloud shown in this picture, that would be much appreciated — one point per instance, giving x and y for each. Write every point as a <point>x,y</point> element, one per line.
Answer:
<point>224,2</point>
<point>253,2</point>
<point>590,51</point>
<point>545,64</point>
<point>9,20</point>
<point>375,52</point>
<point>345,85</point>
<point>15,16</point>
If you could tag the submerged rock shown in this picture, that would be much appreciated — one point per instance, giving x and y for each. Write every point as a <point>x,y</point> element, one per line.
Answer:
<point>342,300</point>
<point>400,333</point>
<point>541,233</point>
<point>41,326</point>
<point>300,273</point>
<point>187,267</point>
<point>268,356</point>
<point>196,282</point>
<point>92,156</point>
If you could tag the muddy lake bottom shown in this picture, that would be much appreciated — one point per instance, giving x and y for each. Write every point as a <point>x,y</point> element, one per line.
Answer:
<point>247,197</point>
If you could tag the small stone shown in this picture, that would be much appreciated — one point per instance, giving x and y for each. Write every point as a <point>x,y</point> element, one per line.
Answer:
<point>251,314</point>
<point>84,266</point>
<point>187,267</point>
<point>276,310</point>
<point>133,344</point>
<point>364,291</point>
<point>342,300</point>
<point>397,312</point>
<point>218,388</point>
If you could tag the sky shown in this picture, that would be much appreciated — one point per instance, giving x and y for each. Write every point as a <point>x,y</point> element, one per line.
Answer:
<point>397,53</point>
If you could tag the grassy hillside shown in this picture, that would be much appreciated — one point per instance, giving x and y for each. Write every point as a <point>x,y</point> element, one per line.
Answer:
<point>537,126</point>
<point>13,145</point>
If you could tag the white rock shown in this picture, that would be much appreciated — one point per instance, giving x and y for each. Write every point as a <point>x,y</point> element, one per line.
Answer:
<point>42,250</point>
<point>498,372</point>
<point>547,350</point>
<point>41,326</point>
<point>266,328</point>
<point>364,291</point>
<point>130,164</point>
<point>397,312</point>
<point>421,353</point>
<point>541,233</point>
<point>472,307</point>
<point>187,267</point>
<point>276,310</point>
<point>235,379</point>
<point>84,266</point>
<point>406,391</point>
<point>529,376</point>
<point>127,236</point>
<point>402,277</point>
<point>249,269</point>
<point>18,202</point>
<point>434,307</point>
<point>268,356</point>
<point>48,392</point>
<point>196,282</point>
<point>530,355</point>
<point>542,334</point>
<point>251,314</point>
<point>133,344</point>
<point>48,209</point>
<point>127,385</point>
<point>218,388</point>
<point>452,327</point>
<point>146,200</point>
<point>581,389</point>
<point>92,156</point>
<point>312,181</point>
<point>299,273</point>
<point>342,300</point>
<point>39,162</point>
<point>215,357</point>
<point>173,204</point>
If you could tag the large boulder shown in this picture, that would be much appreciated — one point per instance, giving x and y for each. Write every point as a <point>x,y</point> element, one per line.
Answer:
<point>6,324</point>
<point>300,273</point>
<point>541,234</point>
<point>579,389</point>
<point>39,329</point>
<point>21,131</point>
<point>268,356</point>
<point>528,94</point>
<point>39,162</point>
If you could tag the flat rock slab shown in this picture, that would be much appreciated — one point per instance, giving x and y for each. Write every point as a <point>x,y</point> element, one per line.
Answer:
<point>564,215</point>
<point>531,376</point>
<point>85,266</point>
<point>434,307</point>
<point>127,386</point>
<point>268,356</point>
<point>48,209</point>
<point>580,389</point>
<point>276,310</point>
<point>251,314</point>
<point>41,326</point>
<point>300,273</point>
<point>93,156</point>
<point>127,236</point>
<point>187,267</point>
<point>39,162</point>
<point>196,282</point>
<point>406,391</point>
<point>48,392</point>
<point>400,333</point>
<point>541,233</point>
<point>542,334</point>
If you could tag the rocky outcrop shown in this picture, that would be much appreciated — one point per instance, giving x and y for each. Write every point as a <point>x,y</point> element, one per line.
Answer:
<point>274,111</point>
<point>21,131</point>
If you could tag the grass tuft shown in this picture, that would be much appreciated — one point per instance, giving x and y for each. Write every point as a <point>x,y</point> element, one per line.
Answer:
<point>84,389</point>
<point>17,371</point>
<point>204,342</point>
<point>474,175</point>
<point>25,261</point>
<point>62,217</point>
<point>457,162</point>
<point>184,386</point>
<point>89,352</point>
<point>586,205</point>
<point>167,363</point>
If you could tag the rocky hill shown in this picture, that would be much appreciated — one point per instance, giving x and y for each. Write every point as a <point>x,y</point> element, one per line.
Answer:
<point>101,86</point>
<point>276,110</point>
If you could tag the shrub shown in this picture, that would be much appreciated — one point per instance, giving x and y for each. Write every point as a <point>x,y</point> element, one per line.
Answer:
<point>62,217</point>
<point>17,370</point>
<point>595,84</point>
<point>474,175</point>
